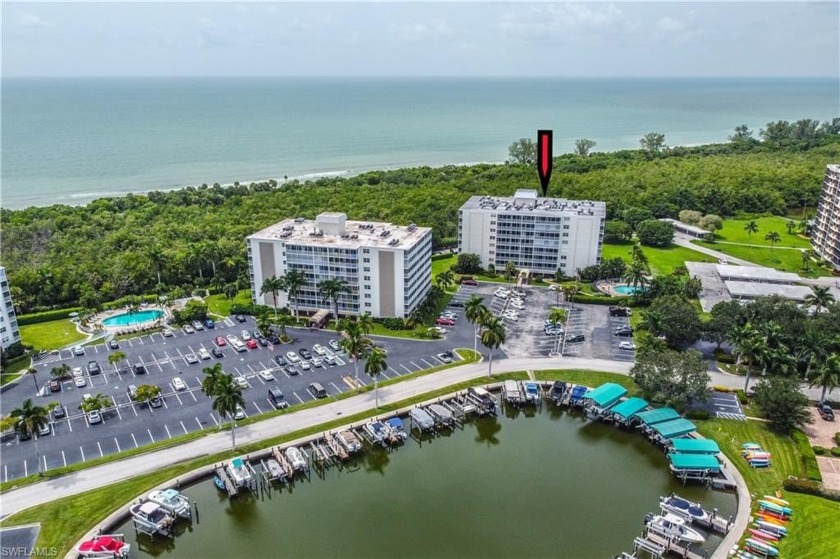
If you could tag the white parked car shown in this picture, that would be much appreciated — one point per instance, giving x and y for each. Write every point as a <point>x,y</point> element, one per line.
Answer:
<point>239,413</point>
<point>266,375</point>
<point>450,314</point>
<point>204,354</point>
<point>78,350</point>
<point>292,357</point>
<point>627,345</point>
<point>179,384</point>
<point>241,382</point>
<point>233,339</point>
<point>501,294</point>
<point>94,417</point>
<point>438,329</point>
<point>246,335</point>
<point>238,346</point>
<point>553,287</point>
<point>78,372</point>
<point>305,366</point>
<point>319,349</point>
<point>79,381</point>
<point>316,362</point>
<point>517,304</point>
<point>191,358</point>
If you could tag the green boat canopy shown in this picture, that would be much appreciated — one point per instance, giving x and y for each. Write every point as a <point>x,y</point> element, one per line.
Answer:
<point>681,461</point>
<point>606,394</point>
<point>629,407</point>
<point>674,428</point>
<point>695,446</point>
<point>653,417</point>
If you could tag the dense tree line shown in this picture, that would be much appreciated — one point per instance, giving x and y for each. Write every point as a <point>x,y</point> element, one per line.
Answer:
<point>161,241</point>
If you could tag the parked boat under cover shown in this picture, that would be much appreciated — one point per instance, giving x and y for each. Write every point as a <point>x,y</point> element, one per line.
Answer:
<point>422,419</point>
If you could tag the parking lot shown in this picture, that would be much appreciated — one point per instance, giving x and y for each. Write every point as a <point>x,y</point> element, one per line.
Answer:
<point>128,425</point>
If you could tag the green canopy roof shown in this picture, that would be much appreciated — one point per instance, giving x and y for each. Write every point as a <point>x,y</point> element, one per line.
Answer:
<point>682,461</point>
<point>629,407</point>
<point>606,394</point>
<point>674,428</point>
<point>653,417</point>
<point>695,446</point>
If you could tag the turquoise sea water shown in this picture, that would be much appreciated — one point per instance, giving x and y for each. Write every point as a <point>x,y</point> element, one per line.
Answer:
<point>73,140</point>
<point>130,319</point>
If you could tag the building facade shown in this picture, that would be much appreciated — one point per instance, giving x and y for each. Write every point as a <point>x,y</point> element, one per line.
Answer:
<point>537,234</point>
<point>9,331</point>
<point>386,267</point>
<point>825,235</point>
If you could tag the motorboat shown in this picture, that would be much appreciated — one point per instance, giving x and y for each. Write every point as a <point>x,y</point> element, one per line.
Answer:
<point>558,389</point>
<point>682,507</point>
<point>396,429</point>
<point>296,459</point>
<point>484,401</point>
<point>349,441</point>
<point>512,393</point>
<point>531,391</point>
<point>442,414</point>
<point>673,526</point>
<point>376,430</point>
<point>421,419</point>
<point>151,517</point>
<point>240,472</point>
<point>104,545</point>
<point>172,501</point>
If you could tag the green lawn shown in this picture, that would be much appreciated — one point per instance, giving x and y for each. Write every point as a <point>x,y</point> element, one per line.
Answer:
<point>662,261</point>
<point>13,371</point>
<point>50,335</point>
<point>220,305</point>
<point>733,232</point>
<point>440,265</point>
<point>784,259</point>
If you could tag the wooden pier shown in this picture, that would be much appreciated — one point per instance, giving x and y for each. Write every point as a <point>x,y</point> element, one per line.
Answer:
<point>337,450</point>
<point>230,488</point>
<point>672,545</point>
<point>284,464</point>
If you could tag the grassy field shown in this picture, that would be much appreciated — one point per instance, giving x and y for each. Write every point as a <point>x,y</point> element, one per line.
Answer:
<point>662,261</point>
<point>589,378</point>
<point>784,259</point>
<point>50,335</point>
<point>13,371</point>
<point>733,232</point>
<point>220,305</point>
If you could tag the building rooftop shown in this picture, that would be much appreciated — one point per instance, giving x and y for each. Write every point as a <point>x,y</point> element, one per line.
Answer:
<point>528,201</point>
<point>756,274</point>
<point>754,289</point>
<point>685,226</point>
<point>333,229</point>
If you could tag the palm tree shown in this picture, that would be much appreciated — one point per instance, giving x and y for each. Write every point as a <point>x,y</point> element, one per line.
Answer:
<point>806,261</point>
<point>227,397</point>
<point>475,311</point>
<point>740,337</point>
<point>263,323</point>
<point>231,290</point>
<point>331,290</point>
<point>652,321</point>
<point>293,280</point>
<point>29,420</point>
<point>754,350</point>
<point>774,238</point>
<point>282,321</point>
<point>211,379</point>
<point>365,322</point>
<point>791,226</point>
<point>492,336</point>
<point>635,276</point>
<point>510,270</point>
<point>195,257</point>
<point>819,299</point>
<point>751,227</point>
<point>556,317</point>
<point>374,366</point>
<point>826,375</point>
<point>33,371</point>
<point>445,280</point>
<point>638,256</point>
<point>116,357</point>
<point>353,342</point>
<point>812,345</point>
<point>155,253</point>
<point>60,372</point>
<point>273,285</point>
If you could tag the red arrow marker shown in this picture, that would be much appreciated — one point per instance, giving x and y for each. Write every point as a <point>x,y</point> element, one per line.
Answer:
<point>544,157</point>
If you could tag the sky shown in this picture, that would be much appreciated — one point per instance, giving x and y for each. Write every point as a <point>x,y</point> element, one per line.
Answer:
<point>420,39</point>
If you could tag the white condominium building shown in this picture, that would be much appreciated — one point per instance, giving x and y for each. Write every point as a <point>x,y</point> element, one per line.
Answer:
<point>537,234</point>
<point>825,235</point>
<point>9,332</point>
<point>386,267</point>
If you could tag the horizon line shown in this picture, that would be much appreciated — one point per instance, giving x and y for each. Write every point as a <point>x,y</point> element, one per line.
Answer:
<point>407,76</point>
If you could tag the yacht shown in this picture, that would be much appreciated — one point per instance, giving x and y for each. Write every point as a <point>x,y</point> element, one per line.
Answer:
<point>684,508</point>
<point>674,527</point>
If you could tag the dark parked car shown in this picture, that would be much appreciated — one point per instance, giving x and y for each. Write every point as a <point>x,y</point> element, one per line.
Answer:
<point>305,353</point>
<point>209,323</point>
<point>826,412</point>
<point>468,281</point>
<point>575,339</point>
<point>624,332</point>
<point>280,360</point>
<point>217,353</point>
<point>456,304</point>
<point>292,370</point>
<point>262,341</point>
<point>273,339</point>
<point>93,368</point>
<point>156,402</point>
<point>59,412</point>
<point>24,435</point>
<point>620,311</point>
<point>55,386</point>
<point>240,318</point>
<point>139,369</point>
<point>114,344</point>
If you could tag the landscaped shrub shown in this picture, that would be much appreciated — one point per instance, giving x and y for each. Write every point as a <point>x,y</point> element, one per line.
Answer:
<point>252,309</point>
<point>603,300</point>
<point>722,357</point>
<point>742,397</point>
<point>835,451</point>
<point>819,450</point>
<point>721,389</point>
<point>392,323</point>
<point>697,414</point>
<point>46,316</point>
<point>810,468</point>
<point>809,487</point>
<point>837,438</point>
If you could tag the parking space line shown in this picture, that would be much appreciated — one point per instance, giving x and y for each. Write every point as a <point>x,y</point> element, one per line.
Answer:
<point>45,463</point>
<point>134,409</point>
<point>200,426</point>
<point>179,398</point>
<point>25,469</point>
<point>393,371</point>
<point>298,397</point>
<point>116,407</point>
<point>167,431</point>
<point>426,362</point>
<point>184,427</point>
<point>337,388</point>
<point>406,368</point>
<point>133,438</point>
<point>118,444</point>
<point>384,374</point>
<point>6,472</point>
<point>149,431</point>
<point>258,408</point>
<point>416,365</point>
<point>129,342</point>
<point>192,393</point>
<point>101,454</point>
<point>64,458</point>
<point>216,421</point>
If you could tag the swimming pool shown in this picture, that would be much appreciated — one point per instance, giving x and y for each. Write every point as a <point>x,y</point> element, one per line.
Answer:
<point>626,289</point>
<point>132,319</point>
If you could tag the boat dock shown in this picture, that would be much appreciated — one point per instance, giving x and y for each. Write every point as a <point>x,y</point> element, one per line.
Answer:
<point>229,486</point>
<point>337,450</point>
<point>288,471</point>
<point>511,393</point>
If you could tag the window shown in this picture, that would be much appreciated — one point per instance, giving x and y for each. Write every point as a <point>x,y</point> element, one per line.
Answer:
<point>565,242</point>
<point>367,268</point>
<point>366,259</point>
<point>367,295</point>
<point>367,305</point>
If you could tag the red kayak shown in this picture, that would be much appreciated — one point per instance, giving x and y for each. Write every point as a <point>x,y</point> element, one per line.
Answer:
<point>772,515</point>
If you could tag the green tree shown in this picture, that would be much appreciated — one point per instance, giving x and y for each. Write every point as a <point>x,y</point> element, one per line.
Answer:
<point>635,215</point>
<point>782,403</point>
<point>790,225</point>
<point>263,323</point>
<point>211,379</point>
<point>813,345</point>
<point>617,231</point>
<point>353,341</point>
<point>147,392</point>
<point>445,280</point>
<point>193,310</point>
<point>820,299</point>
<point>742,135</point>
<point>375,364</point>
<point>510,270</point>
<point>293,280</point>
<point>29,419</point>
<point>724,317</point>
<point>583,146</point>
<point>227,397</point>
<point>751,227</point>
<point>61,372</point>
<point>740,338</point>
<point>774,238</point>
<point>523,151</point>
<point>672,378</point>
<point>492,336</point>
<point>680,324</point>
<point>711,222</point>
<point>476,313</point>
<point>655,233</point>
<point>468,263</point>
<point>636,276</point>
<point>692,217</point>
<point>806,261</point>
<point>283,321</point>
<point>653,142</point>
<point>826,375</point>
<point>331,290</point>
<point>97,402</point>
<point>231,290</point>
<point>274,286</point>
<point>365,322</point>
<point>557,316</point>
<point>116,357</point>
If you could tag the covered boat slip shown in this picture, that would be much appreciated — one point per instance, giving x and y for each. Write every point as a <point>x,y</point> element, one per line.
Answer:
<point>627,409</point>
<point>695,446</point>
<point>673,428</point>
<point>606,395</point>
<point>693,462</point>
<point>652,417</point>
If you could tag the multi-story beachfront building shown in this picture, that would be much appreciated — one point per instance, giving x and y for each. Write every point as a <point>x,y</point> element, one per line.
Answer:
<point>9,331</point>
<point>825,234</point>
<point>541,235</point>
<point>386,267</point>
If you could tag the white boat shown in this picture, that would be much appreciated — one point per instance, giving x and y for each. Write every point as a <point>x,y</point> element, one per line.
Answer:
<point>683,507</point>
<point>673,526</point>
<point>531,392</point>
<point>112,546</point>
<point>376,430</point>
<point>274,469</point>
<point>443,415</point>
<point>513,395</point>
<point>172,501</point>
<point>151,517</point>
<point>349,441</point>
<point>296,459</point>
<point>240,472</point>
<point>422,419</point>
<point>396,430</point>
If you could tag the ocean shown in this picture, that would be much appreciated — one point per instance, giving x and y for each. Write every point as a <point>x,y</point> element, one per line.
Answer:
<point>71,140</point>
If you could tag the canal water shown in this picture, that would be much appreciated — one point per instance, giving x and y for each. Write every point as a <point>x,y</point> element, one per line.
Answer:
<point>543,483</point>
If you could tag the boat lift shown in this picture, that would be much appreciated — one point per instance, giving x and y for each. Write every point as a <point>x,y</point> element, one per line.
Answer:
<point>230,487</point>
<point>284,464</point>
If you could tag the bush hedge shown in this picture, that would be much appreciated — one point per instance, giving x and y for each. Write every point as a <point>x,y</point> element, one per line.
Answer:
<point>810,468</point>
<point>697,414</point>
<point>722,357</point>
<point>835,451</point>
<point>742,397</point>
<point>809,487</point>
<point>837,438</point>
<point>46,316</point>
<point>603,300</point>
<point>819,450</point>
<point>392,323</point>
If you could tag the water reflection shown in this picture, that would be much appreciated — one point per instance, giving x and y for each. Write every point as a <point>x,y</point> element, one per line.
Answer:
<point>487,429</point>
<point>376,460</point>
